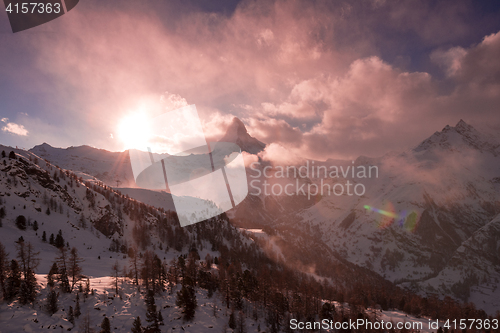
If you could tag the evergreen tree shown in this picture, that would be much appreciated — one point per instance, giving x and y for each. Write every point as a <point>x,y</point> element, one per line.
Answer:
<point>47,211</point>
<point>44,237</point>
<point>105,326</point>
<point>137,326</point>
<point>186,299</point>
<point>3,154</point>
<point>12,155</point>
<point>64,282</point>
<point>4,268</point>
<point>151,314</point>
<point>35,225</point>
<point>29,261</point>
<point>52,306</point>
<point>21,222</point>
<point>27,290</point>
<point>77,306</point>
<point>160,318</point>
<point>2,213</point>
<point>241,324</point>
<point>51,239</point>
<point>71,315</point>
<point>13,281</point>
<point>59,242</point>
<point>232,321</point>
<point>54,270</point>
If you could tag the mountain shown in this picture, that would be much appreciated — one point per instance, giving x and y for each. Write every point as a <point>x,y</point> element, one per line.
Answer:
<point>113,168</point>
<point>417,215</point>
<point>237,133</point>
<point>462,136</point>
<point>230,272</point>
<point>108,167</point>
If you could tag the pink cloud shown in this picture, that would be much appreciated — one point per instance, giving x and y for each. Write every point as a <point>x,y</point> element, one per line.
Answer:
<point>309,78</point>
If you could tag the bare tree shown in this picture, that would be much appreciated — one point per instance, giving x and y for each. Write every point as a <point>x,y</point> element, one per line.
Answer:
<point>116,273</point>
<point>62,260</point>
<point>74,268</point>
<point>85,324</point>
<point>27,256</point>
<point>134,265</point>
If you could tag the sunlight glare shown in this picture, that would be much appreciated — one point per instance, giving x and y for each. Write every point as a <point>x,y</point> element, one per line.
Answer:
<point>134,131</point>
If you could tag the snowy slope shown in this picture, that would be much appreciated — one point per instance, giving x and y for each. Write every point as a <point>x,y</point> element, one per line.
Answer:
<point>106,166</point>
<point>440,195</point>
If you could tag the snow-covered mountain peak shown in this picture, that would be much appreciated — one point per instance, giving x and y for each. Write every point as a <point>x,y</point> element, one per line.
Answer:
<point>237,133</point>
<point>459,137</point>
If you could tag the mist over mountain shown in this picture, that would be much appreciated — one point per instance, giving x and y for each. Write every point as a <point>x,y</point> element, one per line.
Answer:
<point>433,232</point>
<point>440,197</point>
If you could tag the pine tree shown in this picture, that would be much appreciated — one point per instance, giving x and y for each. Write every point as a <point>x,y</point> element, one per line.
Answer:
<point>241,325</point>
<point>50,277</point>
<point>77,306</point>
<point>2,213</point>
<point>13,281</point>
<point>12,155</point>
<point>71,315</point>
<point>44,237</point>
<point>137,326</point>
<point>51,239</point>
<point>186,298</point>
<point>47,211</point>
<point>35,225</point>
<point>27,290</point>
<point>59,242</point>
<point>4,268</point>
<point>105,326</point>
<point>64,282</point>
<point>151,314</point>
<point>3,154</point>
<point>21,222</point>
<point>232,321</point>
<point>29,261</point>
<point>52,306</point>
<point>160,318</point>
<point>87,288</point>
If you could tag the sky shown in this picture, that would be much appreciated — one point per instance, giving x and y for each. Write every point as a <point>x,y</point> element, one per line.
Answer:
<point>317,79</point>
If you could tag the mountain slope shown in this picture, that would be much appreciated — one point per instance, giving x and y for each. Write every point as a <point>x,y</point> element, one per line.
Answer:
<point>435,198</point>
<point>108,167</point>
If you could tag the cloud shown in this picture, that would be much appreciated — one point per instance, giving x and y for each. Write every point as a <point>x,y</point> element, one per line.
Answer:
<point>311,77</point>
<point>13,128</point>
<point>279,155</point>
<point>375,107</point>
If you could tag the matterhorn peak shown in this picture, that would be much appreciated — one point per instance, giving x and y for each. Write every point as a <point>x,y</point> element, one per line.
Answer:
<point>462,126</point>
<point>458,137</point>
<point>237,133</point>
<point>236,128</point>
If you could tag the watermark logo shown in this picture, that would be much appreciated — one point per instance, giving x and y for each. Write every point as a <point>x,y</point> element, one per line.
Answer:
<point>25,15</point>
<point>310,180</point>
<point>205,179</point>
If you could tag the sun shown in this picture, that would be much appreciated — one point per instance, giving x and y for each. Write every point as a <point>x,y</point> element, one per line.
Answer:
<point>134,131</point>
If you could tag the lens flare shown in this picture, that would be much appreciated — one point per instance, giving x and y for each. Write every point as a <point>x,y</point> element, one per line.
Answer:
<point>406,220</point>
